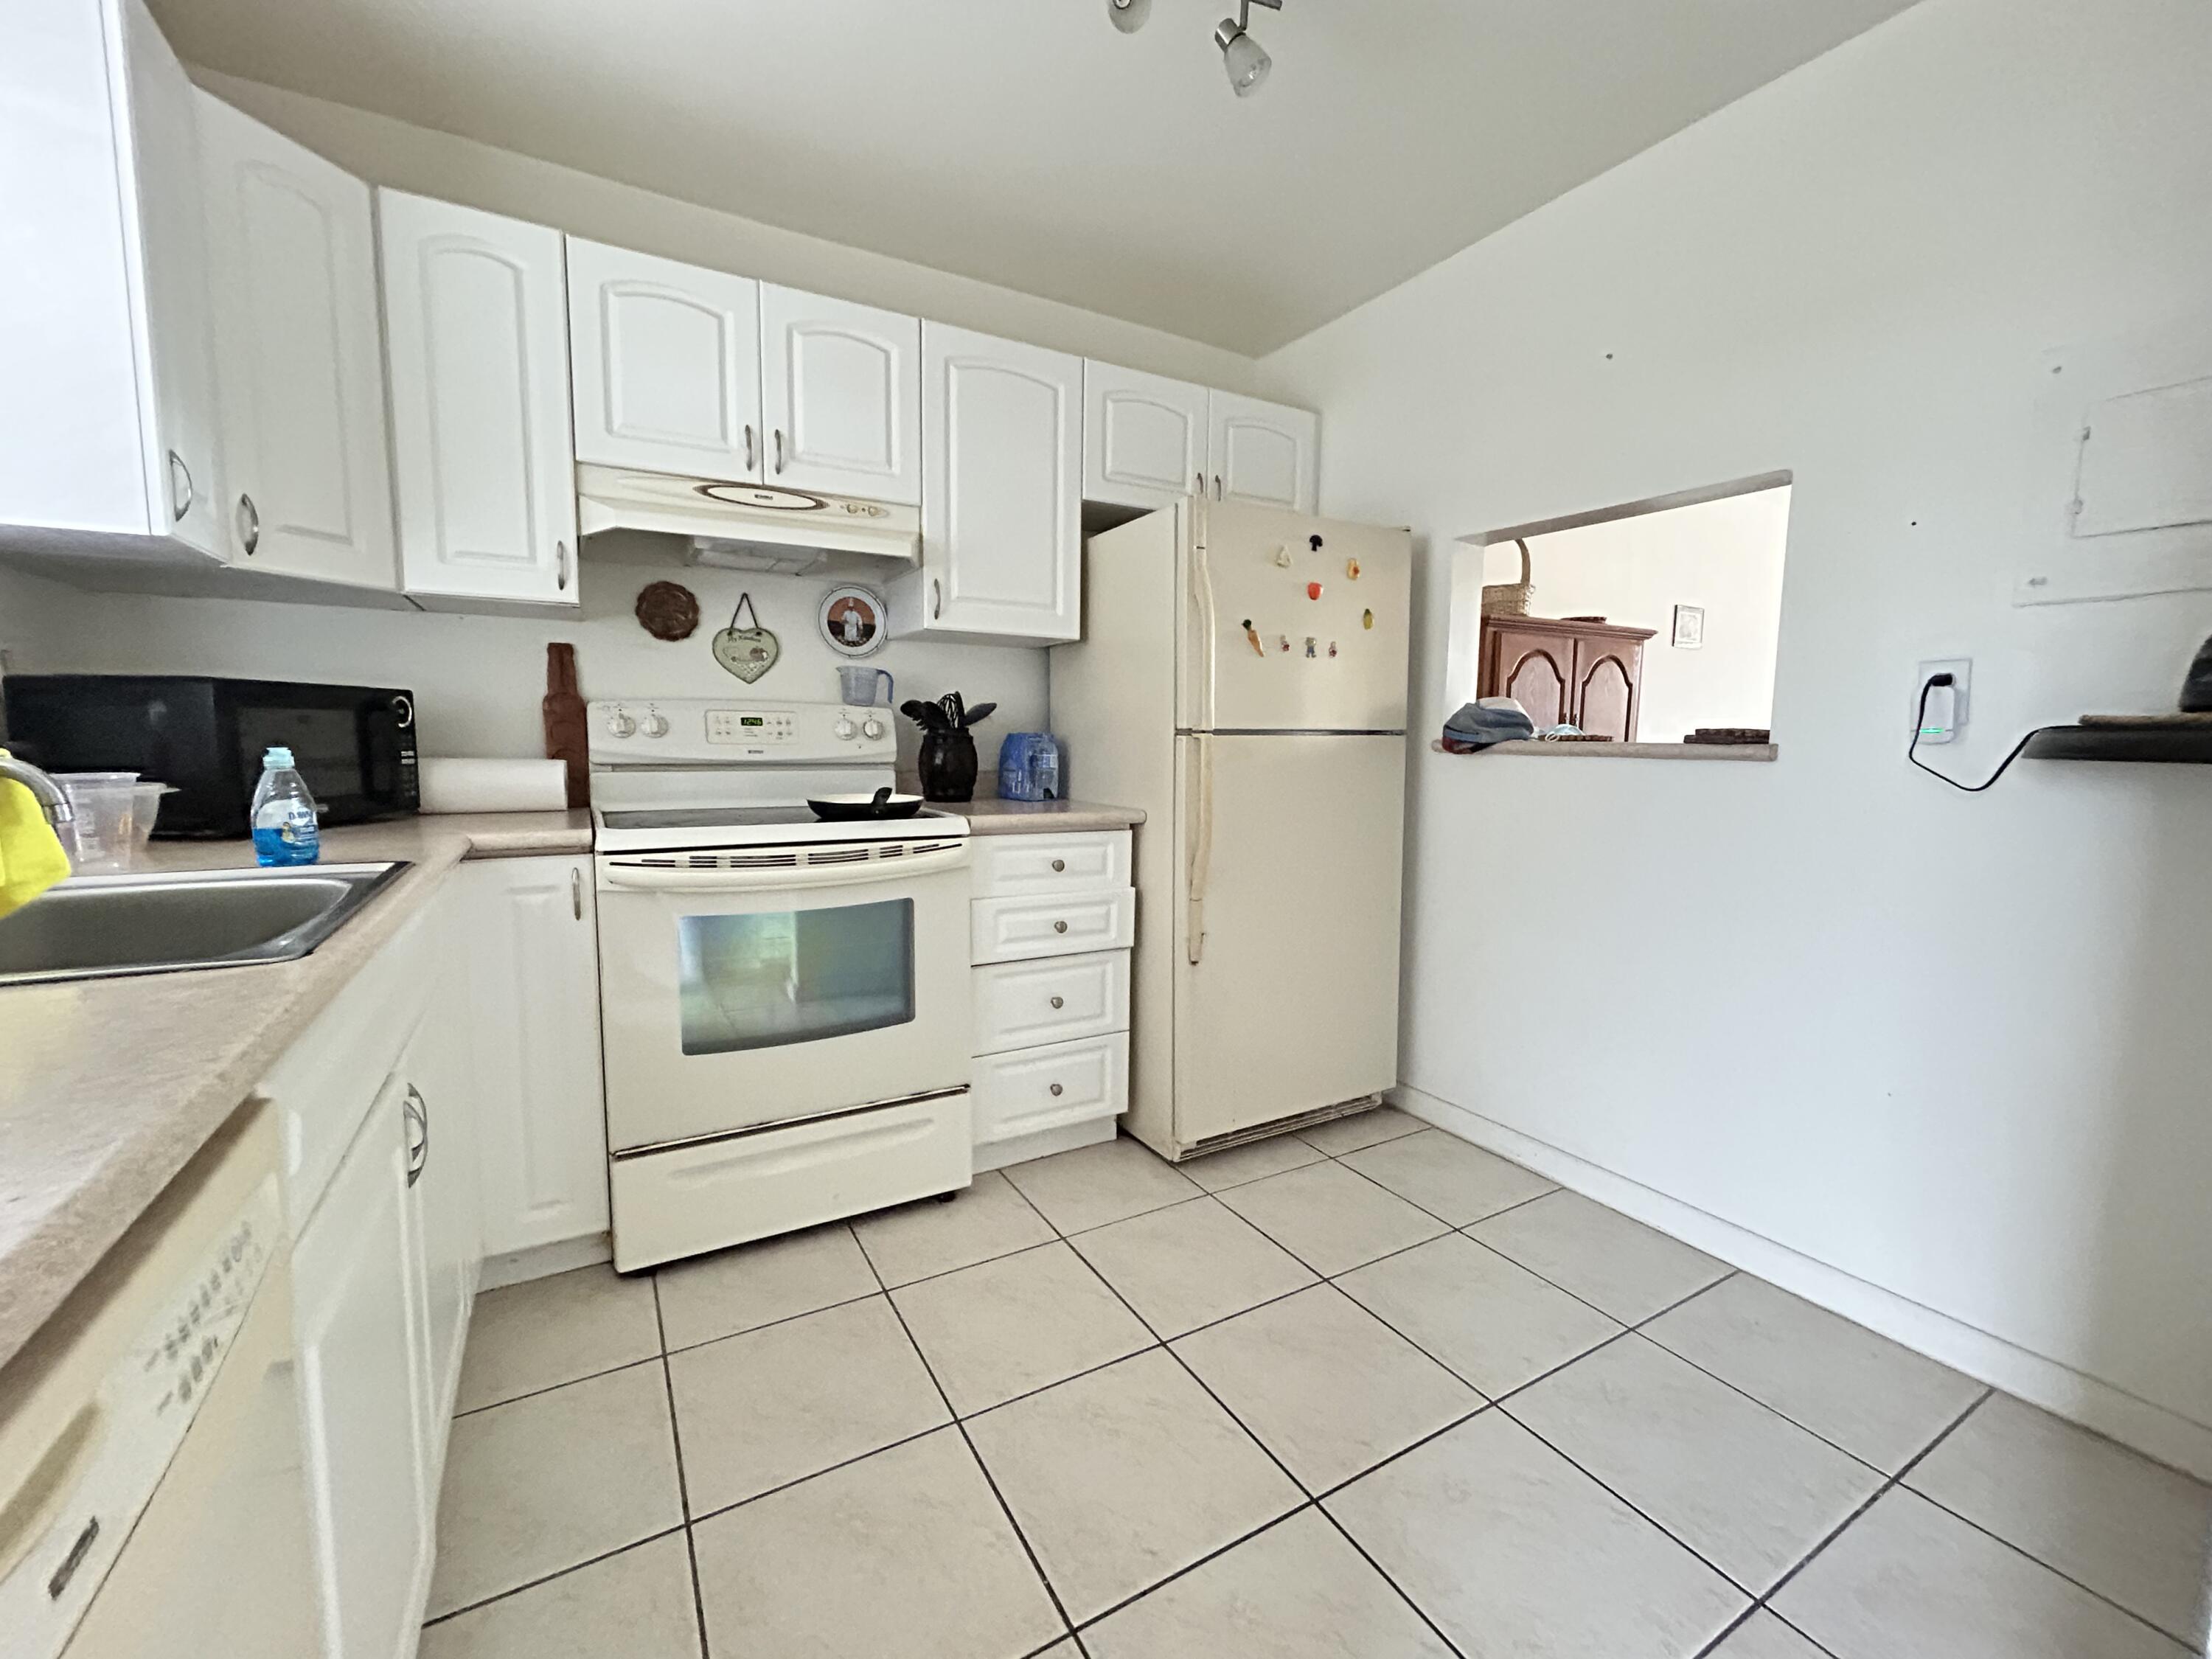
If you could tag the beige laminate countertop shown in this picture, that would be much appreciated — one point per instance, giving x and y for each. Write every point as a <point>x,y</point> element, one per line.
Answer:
<point>1019,817</point>
<point>109,1086</point>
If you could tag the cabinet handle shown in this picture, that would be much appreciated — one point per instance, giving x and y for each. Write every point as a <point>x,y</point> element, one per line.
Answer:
<point>249,523</point>
<point>179,473</point>
<point>1217,486</point>
<point>1198,485</point>
<point>561,565</point>
<point>778,449</point>
<point>1060,927</point>
<point>936,598</point>
<point>1055,1088</point>
<point>418,1114</point>
<point>1059,866</point>
<point>576,893</point>
<point>1059,1002</point>
<point>749,446</point>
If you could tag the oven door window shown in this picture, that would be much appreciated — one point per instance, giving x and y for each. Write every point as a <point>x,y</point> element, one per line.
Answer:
<point>762,980</point>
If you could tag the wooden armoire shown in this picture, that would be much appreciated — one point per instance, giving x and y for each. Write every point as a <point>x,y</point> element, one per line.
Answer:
<point>1571,673</point>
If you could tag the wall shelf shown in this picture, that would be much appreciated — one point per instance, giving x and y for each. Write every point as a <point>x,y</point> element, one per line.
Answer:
<point>2190,743</point>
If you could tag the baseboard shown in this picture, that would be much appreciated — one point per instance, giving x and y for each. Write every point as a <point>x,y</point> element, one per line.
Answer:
<point>544,1260</point>
<point>1020,1149</point>
<point>2150,1429</point>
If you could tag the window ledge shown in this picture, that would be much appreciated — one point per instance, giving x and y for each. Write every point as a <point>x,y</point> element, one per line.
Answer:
<point>1677,751</point>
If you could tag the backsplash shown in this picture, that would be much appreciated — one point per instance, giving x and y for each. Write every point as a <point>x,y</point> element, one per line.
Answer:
<point>477,679</point>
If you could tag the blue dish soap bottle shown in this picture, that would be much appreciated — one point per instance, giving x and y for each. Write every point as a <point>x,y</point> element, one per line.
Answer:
<point>284,828</point>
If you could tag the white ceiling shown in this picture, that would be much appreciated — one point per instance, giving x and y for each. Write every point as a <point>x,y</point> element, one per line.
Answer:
<point>1026,142</point>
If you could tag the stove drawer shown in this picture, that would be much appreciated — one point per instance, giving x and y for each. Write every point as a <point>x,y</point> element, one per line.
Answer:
<point>1021,1005</point>
<point>1017,929</point>
<point>1032,1090</point>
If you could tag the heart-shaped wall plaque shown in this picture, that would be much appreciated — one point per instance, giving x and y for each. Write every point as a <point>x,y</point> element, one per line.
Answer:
<point>748,653</point>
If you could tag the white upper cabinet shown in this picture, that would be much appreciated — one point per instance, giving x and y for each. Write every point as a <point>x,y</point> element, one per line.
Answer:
<point>108,419</point>
<point>477,341</point>
<point>1002,490</point>
<point>1144,437</point>
<point>841,397</point>
<point>299,364</point>
<point>667,364</point>
<point>1263,453</point>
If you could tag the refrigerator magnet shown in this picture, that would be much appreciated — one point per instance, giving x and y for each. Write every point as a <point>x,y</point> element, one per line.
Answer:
<point>1367,619</point>
<point>1252,635</point>
<point>1310,652</point>
<point>1313,590</point>
<point>1352,570</point>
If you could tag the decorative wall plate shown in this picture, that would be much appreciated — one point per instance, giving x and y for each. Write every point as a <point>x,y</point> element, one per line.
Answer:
<point>667,611</point>
<point>853,621</point>
<point>748,653</point>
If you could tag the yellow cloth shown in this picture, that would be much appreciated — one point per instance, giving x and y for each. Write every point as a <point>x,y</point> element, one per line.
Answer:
<point>31,857</point>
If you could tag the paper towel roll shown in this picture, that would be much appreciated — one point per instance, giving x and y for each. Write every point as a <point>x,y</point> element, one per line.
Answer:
<point>494,786</point>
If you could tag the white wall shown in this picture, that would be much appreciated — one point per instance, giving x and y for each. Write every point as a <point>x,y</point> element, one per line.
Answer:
<point>1724,556</point>
<point>388,152</point>
<point>1953,1046</point>
<point>477,679</point>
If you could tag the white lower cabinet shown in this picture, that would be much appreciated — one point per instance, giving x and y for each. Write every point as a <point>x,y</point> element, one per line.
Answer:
<point>1052,920</point>
<point>362,1379</point>
<point>540,1100</point>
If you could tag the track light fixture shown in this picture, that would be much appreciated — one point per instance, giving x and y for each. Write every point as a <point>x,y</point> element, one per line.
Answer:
<point>1242,58</point>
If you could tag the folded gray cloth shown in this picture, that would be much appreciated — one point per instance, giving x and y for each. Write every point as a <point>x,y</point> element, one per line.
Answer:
<point>1491,720</point>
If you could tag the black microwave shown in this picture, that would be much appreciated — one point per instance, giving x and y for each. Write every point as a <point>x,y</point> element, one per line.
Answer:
<point>355,745</point>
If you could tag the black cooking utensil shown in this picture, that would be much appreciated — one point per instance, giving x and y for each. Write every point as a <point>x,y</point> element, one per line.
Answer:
<point>978,715</point>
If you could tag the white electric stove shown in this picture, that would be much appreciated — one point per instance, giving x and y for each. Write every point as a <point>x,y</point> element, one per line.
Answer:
<point>784,999</point>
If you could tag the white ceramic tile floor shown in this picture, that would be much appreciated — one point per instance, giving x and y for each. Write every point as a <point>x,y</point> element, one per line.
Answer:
<point>1103,1446</point>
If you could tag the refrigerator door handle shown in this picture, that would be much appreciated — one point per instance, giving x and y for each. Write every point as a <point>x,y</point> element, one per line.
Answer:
<point>1202,850</point>
<point>1202,594</point>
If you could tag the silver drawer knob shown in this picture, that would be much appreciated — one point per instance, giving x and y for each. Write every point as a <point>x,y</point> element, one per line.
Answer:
<point>1055,1088</point>
<point>1060,927</point>
<point>1059,1002</point>
<point>1058,866</point>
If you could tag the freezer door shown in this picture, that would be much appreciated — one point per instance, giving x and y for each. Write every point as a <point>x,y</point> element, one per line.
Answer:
<point>1291,849</point>
<point>1281,636</point>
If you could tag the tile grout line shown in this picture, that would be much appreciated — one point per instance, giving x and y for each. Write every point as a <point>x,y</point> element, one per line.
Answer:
<point>1066,1624</point>
<point>683,1482</point>
<point>1311,1500</point>
<point>555,1388</point>
<point>1888,1485</point>
<point>558,1572</point>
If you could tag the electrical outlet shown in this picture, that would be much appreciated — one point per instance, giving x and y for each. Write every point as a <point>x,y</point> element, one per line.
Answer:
<point>1945,716</point>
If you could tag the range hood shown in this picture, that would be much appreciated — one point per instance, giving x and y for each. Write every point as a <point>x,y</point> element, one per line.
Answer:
<point>748,526</point>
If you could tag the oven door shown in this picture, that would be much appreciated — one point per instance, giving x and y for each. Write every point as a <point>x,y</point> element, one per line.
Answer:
<point>773,984</point>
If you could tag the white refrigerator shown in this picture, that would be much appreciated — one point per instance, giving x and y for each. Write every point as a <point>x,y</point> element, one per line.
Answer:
<point>1242,678</point>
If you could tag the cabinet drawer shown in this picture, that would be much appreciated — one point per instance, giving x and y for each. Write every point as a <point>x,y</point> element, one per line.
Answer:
<point>1015,929</point>
<point>1019,1004</point>
<point>1012,866</point>
<point>1033,1089</point>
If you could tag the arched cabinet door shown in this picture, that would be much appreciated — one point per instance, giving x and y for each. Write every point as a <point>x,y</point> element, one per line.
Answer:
<point>477,341</point>
<point>1606,676</point>
<point>1536,672</point>
<point>841,395</point>
<point>665,363</point>
<point>1144,437</point>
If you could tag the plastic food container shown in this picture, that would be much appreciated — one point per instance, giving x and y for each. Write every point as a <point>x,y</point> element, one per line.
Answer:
<point>145,807</point>
<point>99,835</point>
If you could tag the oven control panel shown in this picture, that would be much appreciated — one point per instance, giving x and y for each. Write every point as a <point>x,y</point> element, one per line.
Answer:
<point>702,730</point>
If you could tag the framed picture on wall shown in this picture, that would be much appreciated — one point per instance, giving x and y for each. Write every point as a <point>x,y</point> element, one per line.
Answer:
<point>1689,626</point>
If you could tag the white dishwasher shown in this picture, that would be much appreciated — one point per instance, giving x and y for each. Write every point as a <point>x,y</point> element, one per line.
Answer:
<point>151,1496</point>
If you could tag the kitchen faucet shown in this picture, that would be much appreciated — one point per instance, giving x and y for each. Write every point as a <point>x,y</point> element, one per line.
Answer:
<point>48,793</point>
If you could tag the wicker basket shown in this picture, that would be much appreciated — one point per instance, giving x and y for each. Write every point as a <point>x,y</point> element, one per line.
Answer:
<point>1510,599</point>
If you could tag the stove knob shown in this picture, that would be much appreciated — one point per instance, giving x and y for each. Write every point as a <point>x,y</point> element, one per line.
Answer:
<point>655,724</point>
<point>872,728</point>
<point>620,724</point>
<point>845,727</point>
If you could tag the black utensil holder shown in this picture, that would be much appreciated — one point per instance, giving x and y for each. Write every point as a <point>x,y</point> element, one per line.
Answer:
<point>947,765</point>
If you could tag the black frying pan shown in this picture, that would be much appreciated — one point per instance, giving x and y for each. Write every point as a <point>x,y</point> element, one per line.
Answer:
<point>841,809</point>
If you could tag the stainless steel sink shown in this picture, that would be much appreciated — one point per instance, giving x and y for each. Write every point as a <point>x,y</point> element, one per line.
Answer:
<point>92,927</point>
